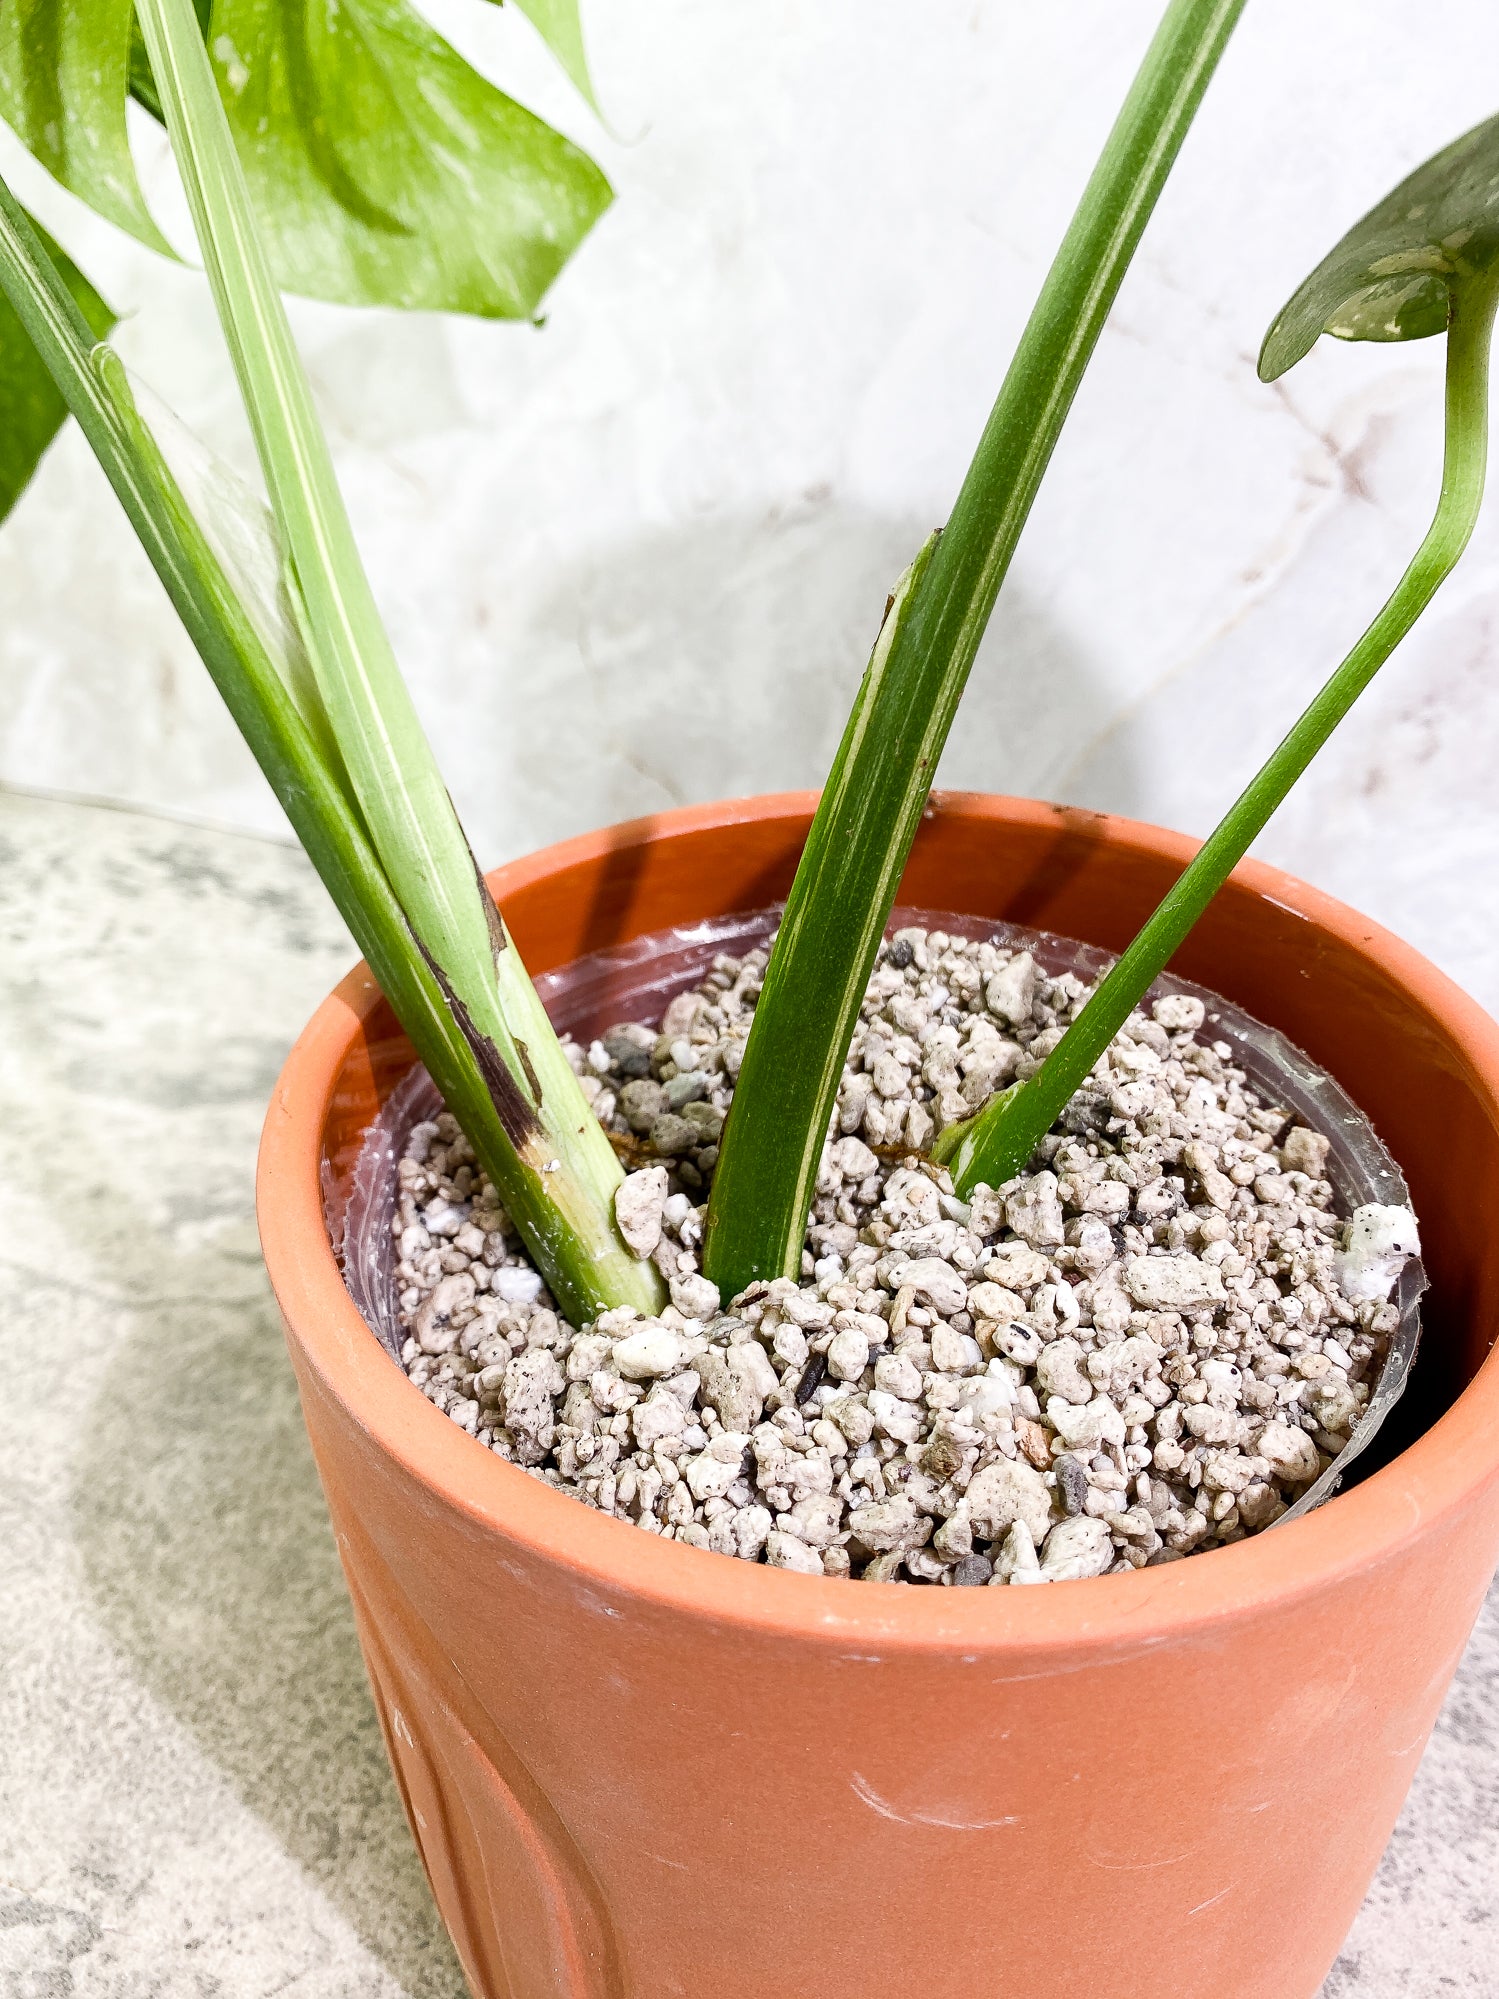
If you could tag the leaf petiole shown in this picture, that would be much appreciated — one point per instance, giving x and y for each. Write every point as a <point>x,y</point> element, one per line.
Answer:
<point>996,1144</point>
<point>876,792</point>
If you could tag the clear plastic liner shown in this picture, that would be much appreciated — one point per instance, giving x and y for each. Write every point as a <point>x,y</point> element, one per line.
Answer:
<point>635,981</point>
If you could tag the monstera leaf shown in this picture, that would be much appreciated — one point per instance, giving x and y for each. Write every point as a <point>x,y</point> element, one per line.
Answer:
<point>1395,275</point>
<point>31,406</point>
<point>64,72</point>
<point>385,170</point>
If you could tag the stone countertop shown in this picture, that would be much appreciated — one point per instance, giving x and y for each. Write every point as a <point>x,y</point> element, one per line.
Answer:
<point>193,1794</point>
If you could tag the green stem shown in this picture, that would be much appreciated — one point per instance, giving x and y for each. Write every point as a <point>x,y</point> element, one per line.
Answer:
<point>996,1144</point>
<point>562,1172</point>
<point>91,380</point>
<point>856,851</point>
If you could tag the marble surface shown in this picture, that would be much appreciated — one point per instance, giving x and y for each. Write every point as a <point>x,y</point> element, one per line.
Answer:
<point>194,1802</point>
<point>637,556</point>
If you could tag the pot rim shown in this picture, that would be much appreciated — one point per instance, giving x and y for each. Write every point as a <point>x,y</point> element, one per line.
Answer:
<point>1439,1473</point>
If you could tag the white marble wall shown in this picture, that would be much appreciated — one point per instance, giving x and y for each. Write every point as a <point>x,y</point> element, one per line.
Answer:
<point>637,557</point>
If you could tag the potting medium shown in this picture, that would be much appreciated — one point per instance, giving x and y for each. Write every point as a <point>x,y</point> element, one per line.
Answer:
<point>1178,1328</point>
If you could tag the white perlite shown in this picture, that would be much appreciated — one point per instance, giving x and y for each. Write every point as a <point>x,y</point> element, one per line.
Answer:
<point>1146,1347</point>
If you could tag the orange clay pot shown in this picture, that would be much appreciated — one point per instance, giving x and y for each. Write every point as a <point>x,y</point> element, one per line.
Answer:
<point>638,1769</point>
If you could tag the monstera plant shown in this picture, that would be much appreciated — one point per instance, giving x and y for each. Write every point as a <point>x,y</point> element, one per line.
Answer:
<point>350,152</point>
<point>383,168</point>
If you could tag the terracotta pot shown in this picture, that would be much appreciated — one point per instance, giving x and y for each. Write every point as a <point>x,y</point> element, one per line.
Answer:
<point>637,1769</point>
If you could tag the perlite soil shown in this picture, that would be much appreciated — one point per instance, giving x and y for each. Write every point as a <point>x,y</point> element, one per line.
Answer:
<point>1144,1348</point>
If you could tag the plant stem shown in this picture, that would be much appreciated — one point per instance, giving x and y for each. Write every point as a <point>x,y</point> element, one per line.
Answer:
<point>995,1145</point>
<point>562,1170</point>
<point>856,851</point>
<point>250,680</point>
<point>254,686</point>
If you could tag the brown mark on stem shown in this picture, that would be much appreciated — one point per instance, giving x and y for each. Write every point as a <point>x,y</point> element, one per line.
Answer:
<point>518,1120</point>
<point>498,941</point>
<point>531,1076</point>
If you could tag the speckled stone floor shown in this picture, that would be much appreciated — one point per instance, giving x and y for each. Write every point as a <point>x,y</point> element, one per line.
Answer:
<point>193,1796</point>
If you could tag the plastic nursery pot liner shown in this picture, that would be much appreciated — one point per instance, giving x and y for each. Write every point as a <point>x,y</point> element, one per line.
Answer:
<point>635,981</point>
<point>633,1769</point>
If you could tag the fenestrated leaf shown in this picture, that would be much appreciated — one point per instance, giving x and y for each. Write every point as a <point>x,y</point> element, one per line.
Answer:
<point>561,28</point>
<point>1392,277</point>
<point>384,170</point>
<point>64,65</point>
<point>32,409</point>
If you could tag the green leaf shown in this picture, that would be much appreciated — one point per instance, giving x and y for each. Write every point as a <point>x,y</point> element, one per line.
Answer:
<point>32,409</point>
<point>872,804</point>
<point>64,66</point>
<point>1394,275</point>
<point>385,170</point>
<point>561,28</point>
